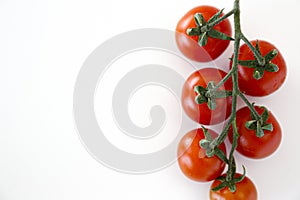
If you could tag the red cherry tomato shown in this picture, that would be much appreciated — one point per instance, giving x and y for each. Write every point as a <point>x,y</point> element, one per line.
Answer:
<point>189,46</point>
<point>193,161</point>
<point>270,81</point>
<point>200,112</point>
<point>245,190</point>
<point>248,144</point>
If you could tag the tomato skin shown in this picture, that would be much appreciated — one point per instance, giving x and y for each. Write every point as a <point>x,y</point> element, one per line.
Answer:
<point>248,144</point>
<point>200,112</point>
<point>245,190</point>
<point>270,82</point>
<point>193,161</point>
<point>188,45</point>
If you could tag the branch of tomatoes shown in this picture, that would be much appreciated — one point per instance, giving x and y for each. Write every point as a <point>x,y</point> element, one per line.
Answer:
<point>252,130</point>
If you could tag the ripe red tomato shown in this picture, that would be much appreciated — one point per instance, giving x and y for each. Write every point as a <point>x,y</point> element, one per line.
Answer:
<point>245,190</point>
<point>201,112</point>
<point>193,161</point>
<point>248,143</point>
<point>270,81</point>
<point>189,46</point>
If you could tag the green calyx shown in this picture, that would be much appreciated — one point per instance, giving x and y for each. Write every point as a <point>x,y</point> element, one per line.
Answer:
<point>204,29</point>
<point>259,70</point>
<point>230,183</point>
<point>260,125</point>
<point>210,152</point>
<point>210,94</point>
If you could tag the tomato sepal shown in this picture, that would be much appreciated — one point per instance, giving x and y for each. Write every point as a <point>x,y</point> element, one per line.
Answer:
<point>259,125</point>
<point>220,186</point>
<point>268,127</point>
<point>239,179</point>
<point>193,31</point>
<point>231,184</point>
<point>205,29</point>
<point>203,39</point>
<point>259,69</point>
<point>271,55</point>
<point>218,35</point>
<point>199,19</point>
<point>201,97</point>
<point>211,103</point>
<point>270,67</point>
<point>216,16</point>
<point>205,143</point>
<point>209,151</point>
<point>210,94</point>
<point>258,73</point>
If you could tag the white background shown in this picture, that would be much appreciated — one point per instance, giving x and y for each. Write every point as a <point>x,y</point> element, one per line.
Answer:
<point>42,47</point>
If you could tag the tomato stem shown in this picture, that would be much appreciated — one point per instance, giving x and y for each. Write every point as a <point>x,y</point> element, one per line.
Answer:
<point>251,107</point>
<point>228,76</point>
<point>219,20</point>
<point>216,142</point>
<point>261,60</point>
<point>233,73</point>
<point>235,91</point>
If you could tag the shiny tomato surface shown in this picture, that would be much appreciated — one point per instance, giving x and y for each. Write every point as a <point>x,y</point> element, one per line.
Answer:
<point>189,46</point>
<point>193,161</point>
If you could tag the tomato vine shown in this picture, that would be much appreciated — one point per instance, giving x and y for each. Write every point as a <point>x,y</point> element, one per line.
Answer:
<point>262,65</point>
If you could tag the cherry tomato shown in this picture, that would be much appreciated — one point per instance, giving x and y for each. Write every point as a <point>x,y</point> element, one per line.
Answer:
<point>245,190</point>
<point>201,112</point>
<point>248,143</point>
<point>193,161</point>
<point>270,82</point>
<point>189,46</point>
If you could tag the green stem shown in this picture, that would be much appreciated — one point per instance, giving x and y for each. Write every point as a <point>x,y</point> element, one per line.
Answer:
<point>233,73</point>
<point>261,60</point>
<point>232,165</point>
<point>251,107</point>
<point>220,139</point>
<point>234,141</point>
<point>223,80</point>
<point>235,91</point>
<point>219,20</point>
<point>234,67</point>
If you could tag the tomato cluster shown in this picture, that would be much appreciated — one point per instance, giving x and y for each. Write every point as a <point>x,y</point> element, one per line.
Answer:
<point>259,131</point>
